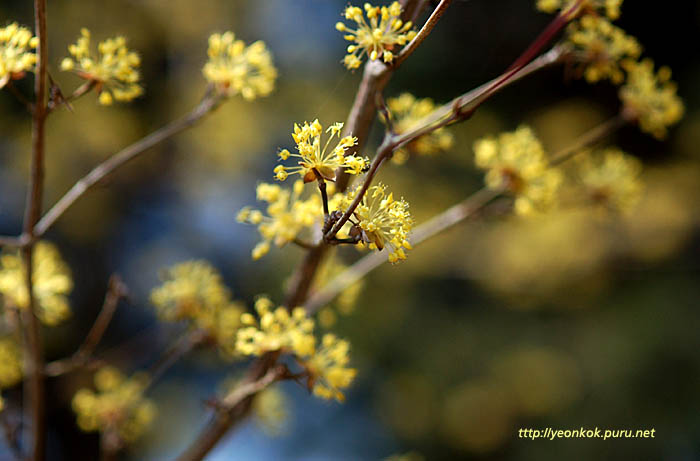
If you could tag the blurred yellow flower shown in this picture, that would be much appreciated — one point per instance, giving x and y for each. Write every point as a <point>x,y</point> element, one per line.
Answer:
<point>602,46</point>
<point>271,410</point>
<point>193,291</point>
<point>406,111</point>
<point>235,68</point>
<point>114,70</point>
<point>117,405</point>
<point>651,97</point>
<point>377,36</point>
<point>287,215</point>
<point>611,178</point>
<point>278,330</point>
<point>611,8</point>
<point>316,161</point>
<point>516,162</point>
<point>10,362</point>
<point>52,283</point>
<point>16,52</point>
<point>382,220</point>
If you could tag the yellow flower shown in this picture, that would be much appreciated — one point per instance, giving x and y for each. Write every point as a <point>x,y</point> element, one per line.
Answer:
<point>287,215</point>
<point>611,178</point>
<point>317,160</point>
<point>235,68</point>
<point>271,410</point>
<point>611,8</point>
<point>16,52</point>
<point>602,46</point>
<point>516,162</point>
<point>378,36</point>
<point>52,282</point>
<point>382,221</point>
<point>193,291</point>
<point>651,98</point>
<point>329,368</point>
<point>117,405</point>
<point>406,111</point>
<point>278,330</point>
<point>114,69</point>
<point>10,362</point>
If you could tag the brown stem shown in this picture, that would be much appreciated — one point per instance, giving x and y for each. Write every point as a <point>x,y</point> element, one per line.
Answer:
<point>423,32</point>
<point>116,290</point>
<point>591,136</point>
<point>181,347</point>
<point>104,169</point>
<point>35,410</point>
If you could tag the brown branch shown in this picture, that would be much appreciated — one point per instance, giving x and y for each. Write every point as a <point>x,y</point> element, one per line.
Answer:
<point>116,290</point>
<point>106,168</point>
<point>422,33</point>
<point>35,410</point>
<point>178,350</point>
<point>593,135</point>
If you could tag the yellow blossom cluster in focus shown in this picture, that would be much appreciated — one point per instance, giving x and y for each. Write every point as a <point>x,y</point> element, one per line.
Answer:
<point>52,283</point>
<point>287,215</point>
<point>235,68</point>
<point>377,36</point>
<point>516,162</point>
<point>650,97</point>
<point>293,333</point>
<point>406,111</point>
<point>611,178</point>
<point>382,220</point>
<point>16,52</point>
<point>117,405</point>
<point>193,291</point>
<point>316,160</point>
<point>611,8</point>
<point>603,47</point>
<point>114,70</point>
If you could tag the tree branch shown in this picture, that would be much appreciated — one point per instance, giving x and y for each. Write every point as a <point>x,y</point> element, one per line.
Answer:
<point>422,33</point>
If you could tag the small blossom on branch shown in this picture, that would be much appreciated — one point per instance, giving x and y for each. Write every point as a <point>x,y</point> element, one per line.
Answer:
<point>52,283</point>
<point>650,98</point>
<point>381,221</point>
<point>611,8</point>
<point>117,405</point>
<point>611,178</point>
<point>516,162</point>
<point>406,112</point>
<point>317,161</point>
<point>235,68</point>
<point>114,69</point>
<point>16,52</point>
<point>377,36</point>
<point>602,47</point>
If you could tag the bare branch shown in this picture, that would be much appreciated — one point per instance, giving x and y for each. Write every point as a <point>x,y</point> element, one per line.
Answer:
<point>423,32</point>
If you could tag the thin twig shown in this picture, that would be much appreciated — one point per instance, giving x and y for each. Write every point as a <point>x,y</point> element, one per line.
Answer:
<point>116,290</point>
<point>104,169</point>
<point>593,135</point>
<point>422,33</point>
<point>10,242</point>
<point>20,97</point>
<point>174,353</point>
<point>35,410</point>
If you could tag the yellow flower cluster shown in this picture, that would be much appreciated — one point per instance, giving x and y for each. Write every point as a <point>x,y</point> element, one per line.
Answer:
<point>271,411</point>
<point>382,221</point>
<point>611,8</point>
<point>52,282</point>
<point>611,178</point>
<point>651,97</point>
<point>118,405</point>
<point>235,68</point>
<point>278,330</point>
<point>377,36</point>
<point>114,69</point>
<point>602,47</point>
<point>10,362</point>
<point>515,161</point>
<point>406,111</point>
<point>16,52</point>
<point>287,215</point>
<point>193,291</point>
<point>316,160</point>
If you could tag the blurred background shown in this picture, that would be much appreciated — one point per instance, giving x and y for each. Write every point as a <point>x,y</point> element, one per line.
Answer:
<point>570,320</point>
